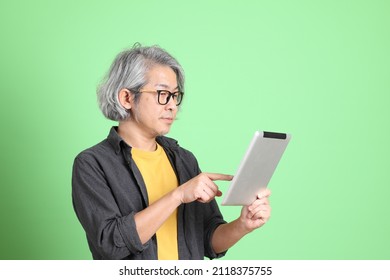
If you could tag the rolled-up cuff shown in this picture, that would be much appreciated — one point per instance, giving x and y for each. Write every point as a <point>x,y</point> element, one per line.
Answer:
<point>129,234</point>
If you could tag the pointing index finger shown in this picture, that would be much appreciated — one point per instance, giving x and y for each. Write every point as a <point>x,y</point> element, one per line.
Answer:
<point>219,177</point>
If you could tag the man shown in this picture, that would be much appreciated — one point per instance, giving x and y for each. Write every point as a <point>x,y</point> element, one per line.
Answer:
<point>138,194</point>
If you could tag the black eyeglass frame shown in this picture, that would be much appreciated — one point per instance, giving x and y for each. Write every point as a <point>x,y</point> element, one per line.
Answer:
<point>177,94</point>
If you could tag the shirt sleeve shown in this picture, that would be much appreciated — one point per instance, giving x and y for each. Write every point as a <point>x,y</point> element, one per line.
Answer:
<point>212,219</point>
<point>112,235</point>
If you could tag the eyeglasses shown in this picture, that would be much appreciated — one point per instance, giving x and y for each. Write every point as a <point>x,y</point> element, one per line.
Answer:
<point>163,96</point>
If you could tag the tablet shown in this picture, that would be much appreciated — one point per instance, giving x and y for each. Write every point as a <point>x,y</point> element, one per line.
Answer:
<point>257,167</point>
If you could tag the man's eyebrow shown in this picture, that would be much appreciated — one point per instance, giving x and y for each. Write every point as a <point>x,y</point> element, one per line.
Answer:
<point>165,86</point>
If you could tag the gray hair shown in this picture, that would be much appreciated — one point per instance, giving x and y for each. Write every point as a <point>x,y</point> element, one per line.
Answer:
<point>129,70</point>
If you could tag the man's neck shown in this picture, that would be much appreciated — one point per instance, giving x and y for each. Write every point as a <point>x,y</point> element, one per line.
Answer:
<point>135,138</point>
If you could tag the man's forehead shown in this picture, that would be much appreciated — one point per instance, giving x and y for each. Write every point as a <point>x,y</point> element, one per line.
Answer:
<point>163,77</point>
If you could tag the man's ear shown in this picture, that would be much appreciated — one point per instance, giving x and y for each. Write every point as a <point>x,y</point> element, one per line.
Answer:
<point>125,98</point>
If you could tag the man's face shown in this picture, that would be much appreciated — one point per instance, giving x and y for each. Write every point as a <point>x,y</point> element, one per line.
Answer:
<point>151,118</point>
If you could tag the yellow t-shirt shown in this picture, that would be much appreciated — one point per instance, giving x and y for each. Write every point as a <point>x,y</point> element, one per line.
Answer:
<point>160,179</point>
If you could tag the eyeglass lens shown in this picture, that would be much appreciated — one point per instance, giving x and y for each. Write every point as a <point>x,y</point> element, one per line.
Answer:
<point>164,96</point>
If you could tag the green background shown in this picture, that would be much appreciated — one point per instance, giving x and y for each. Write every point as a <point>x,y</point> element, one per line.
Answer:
<point>316,69</point>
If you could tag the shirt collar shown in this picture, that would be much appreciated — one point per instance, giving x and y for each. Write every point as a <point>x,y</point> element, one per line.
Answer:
<point>115,140</point>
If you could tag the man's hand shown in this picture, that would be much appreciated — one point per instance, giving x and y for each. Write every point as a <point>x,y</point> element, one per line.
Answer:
<point>201,188</point>
<point>258,213</point>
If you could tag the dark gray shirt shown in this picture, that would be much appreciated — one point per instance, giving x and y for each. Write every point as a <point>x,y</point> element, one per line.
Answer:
<point>108,190</point>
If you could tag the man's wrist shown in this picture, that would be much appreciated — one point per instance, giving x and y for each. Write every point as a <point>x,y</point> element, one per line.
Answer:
<point>177,196</point>
<point>242,226</point>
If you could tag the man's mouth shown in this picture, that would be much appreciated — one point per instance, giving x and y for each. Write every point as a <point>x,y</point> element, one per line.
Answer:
<point>168,119</point>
